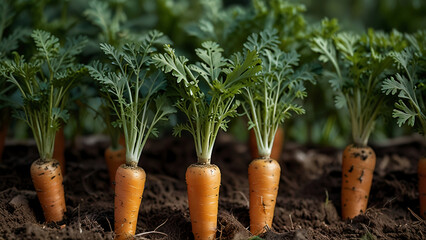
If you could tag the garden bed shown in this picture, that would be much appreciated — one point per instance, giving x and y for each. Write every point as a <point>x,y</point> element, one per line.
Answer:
<point>303,210</point>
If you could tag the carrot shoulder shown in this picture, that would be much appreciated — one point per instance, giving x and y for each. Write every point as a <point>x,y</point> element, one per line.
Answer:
<point>130,183</point>
<point>47,180</point>
<point>264,178</point>
<point>203,182</point>
<point>422,186</point>
<point>114,159</point>
<point>357,176</point>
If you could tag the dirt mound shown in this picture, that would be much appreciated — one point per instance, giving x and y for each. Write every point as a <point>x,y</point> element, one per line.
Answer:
<point>308,205</point>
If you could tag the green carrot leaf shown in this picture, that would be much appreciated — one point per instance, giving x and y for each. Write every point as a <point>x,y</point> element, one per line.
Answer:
<point>207,111</point>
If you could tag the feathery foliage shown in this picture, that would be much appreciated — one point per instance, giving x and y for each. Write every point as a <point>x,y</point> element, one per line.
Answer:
<point>409,83</point>
<point>131,85</point>
<point>208,108</point>
<point>230,26</point>
<point>272,99</point>
<point>44,82</point>
<point>8,44</point>
<point>360,65</point>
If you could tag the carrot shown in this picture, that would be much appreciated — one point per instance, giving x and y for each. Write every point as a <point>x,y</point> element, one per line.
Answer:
<point>59,150</point>
<point>3,134</point>
<point>264,177</point>
<point>203,182</point>
<point>114,158</point>
<point>47,180</point>
<point>130,183</point>
<point>276,146</point>
<point>357,175</point>
<point>422,186</point>
<point>207,112</point>
<point>135,121</point>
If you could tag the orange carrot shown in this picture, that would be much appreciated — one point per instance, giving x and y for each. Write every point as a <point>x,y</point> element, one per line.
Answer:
<point>277,146</point>
<point>264,178</point>
<point>114,159</point>
<point>47,180</point>
<point>422,186</point>
<point>203,182</point>
<point>59,149</point>
<point>357,175</point>
<point>3,134</point>
<point>130,183</point>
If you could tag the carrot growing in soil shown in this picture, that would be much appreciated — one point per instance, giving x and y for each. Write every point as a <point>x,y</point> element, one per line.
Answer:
<point>110,22</point>
<point>43,82</point>
<point>267,104</point>
<point>411,89</point>
<point>360,64</point>
<point>59,149</point>
<point>131,85</point>
<point>115,154</point>
<point>208,111</point>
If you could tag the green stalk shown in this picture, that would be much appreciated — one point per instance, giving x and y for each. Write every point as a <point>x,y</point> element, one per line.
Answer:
<point>206,117</point>
<point>123,94</point>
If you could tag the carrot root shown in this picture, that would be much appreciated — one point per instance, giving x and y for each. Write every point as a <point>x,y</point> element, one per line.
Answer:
<point>422,186</point>
<point>357,176</point>
<point>47,180</point>
<point>59,149</point>
<point>114,159</point>
<point>264,178</point>
<point>130,183</point>
<point>203,182</point>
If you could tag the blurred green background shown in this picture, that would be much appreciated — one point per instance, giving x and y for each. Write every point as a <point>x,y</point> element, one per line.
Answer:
<point>188,22</point>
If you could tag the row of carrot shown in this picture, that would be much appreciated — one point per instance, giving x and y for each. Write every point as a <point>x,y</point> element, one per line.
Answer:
<point>139,80</point>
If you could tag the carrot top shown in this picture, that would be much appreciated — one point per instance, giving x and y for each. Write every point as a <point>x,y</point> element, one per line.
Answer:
<point>44,82</point>
<point>360,65</point>
<point>131,84</point>
<point>408,82</point>
<point>272,99</point>
<point>207,90</point>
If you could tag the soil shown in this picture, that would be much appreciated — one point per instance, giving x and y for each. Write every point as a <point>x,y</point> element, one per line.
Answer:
<point>308,204</point>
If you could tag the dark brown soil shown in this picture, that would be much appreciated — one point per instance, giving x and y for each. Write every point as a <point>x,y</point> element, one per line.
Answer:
<point>308,205</point>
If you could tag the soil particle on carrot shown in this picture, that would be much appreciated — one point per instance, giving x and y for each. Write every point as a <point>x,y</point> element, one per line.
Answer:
<point>357,171</point>
<point>49,188</point>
